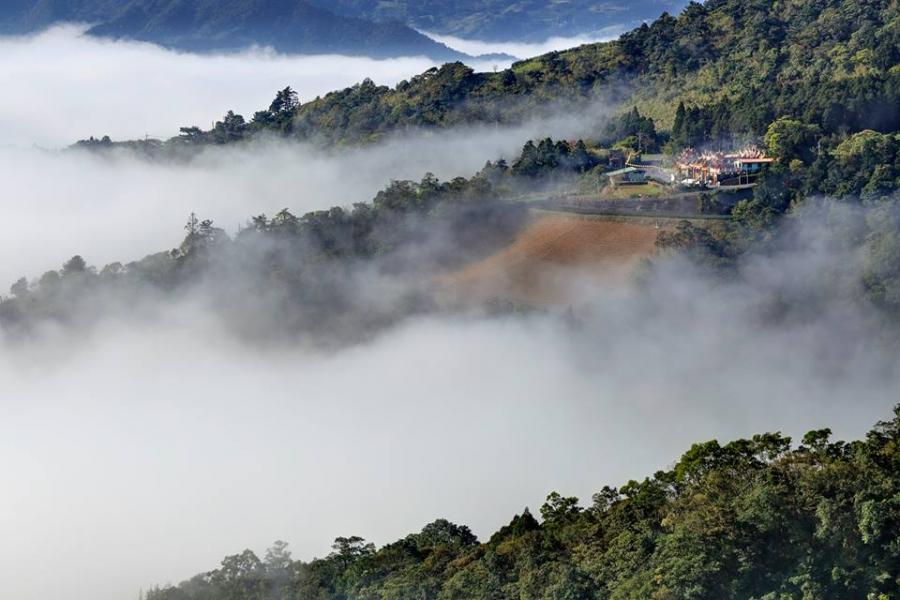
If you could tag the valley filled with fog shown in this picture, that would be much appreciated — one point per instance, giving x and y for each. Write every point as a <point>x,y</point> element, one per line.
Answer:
<point>145,447</point>
<point>151,446</point>
<point>60,86</point>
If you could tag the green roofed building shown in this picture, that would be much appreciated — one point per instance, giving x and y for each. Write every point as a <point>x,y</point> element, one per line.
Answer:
<point>627,176</point>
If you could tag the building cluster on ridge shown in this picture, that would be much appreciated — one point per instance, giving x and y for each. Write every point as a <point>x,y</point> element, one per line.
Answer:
<point>733,170</point>
<point>724,170</point>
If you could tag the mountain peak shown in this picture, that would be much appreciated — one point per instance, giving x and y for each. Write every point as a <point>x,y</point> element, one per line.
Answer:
<point>289,26</point>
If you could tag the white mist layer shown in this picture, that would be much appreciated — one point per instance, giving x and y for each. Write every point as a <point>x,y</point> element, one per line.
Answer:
<point>149,451</point>
<point>61,86</point>
<point>122,208</point>
<point>524,50</point>
<point>155,446</point>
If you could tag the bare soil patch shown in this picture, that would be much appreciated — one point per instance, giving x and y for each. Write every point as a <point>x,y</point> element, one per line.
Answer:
<point>539,267</point>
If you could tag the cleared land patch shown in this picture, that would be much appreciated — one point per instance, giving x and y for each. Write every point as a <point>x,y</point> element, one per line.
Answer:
<point>537,268</point>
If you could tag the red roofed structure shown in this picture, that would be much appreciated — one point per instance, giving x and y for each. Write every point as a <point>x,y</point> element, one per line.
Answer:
<point>739,169</point>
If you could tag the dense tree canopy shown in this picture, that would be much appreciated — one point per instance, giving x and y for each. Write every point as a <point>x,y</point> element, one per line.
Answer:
<point>816,80</point>
<point>755,518</point>
<point>297,275</point>
<point>733,66</point>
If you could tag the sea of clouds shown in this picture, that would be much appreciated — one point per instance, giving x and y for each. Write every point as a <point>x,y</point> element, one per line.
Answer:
<point>145,450</point>
<point>60,86</point>
<point>123,477</point>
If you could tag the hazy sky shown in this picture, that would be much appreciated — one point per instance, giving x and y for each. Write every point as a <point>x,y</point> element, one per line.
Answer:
<point>147,451</point>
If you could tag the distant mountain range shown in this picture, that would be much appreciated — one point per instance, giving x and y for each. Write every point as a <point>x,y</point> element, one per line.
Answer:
<point>292,26</point>
<point>376,28</point>
<point>508,20</point>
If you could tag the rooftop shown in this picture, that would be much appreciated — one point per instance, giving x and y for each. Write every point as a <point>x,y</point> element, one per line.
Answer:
<point>624,171</point>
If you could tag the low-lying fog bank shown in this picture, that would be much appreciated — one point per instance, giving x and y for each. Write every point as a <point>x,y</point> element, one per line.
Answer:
<point>60,86</point>
<point>143,448</point>
<point>147,453</point>
<point>120,207</point>
<point>159,442</point>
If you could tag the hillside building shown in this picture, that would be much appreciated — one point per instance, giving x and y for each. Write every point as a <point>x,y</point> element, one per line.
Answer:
<point>627,176</point>
<point>734,170</point>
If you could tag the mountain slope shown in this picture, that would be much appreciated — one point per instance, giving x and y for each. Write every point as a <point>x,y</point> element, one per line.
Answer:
<point>294,26</point>
<point>533,268</point>
<point>754,518</point>
<point>721,72</point>
<point>832,63</point>
<point>508,20</point>
<point>23,16</point>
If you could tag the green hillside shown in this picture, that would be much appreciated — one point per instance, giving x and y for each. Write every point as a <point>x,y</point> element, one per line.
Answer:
<point>752,519</point>
<point>735,65</point>
<point>832,63</point>
<point>818,81</point>
<point>815,82</point>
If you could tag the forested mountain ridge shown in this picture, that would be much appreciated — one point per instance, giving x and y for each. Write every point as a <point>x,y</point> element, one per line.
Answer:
<point>310,276</point>
<point>508,20</point>
<point>815,82</point>
<point>754,519</point>
<point>737,64</point>
<point>499,20</point>
<point>294,26</point>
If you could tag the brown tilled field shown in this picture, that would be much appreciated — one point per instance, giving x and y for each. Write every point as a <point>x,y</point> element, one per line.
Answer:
<point>536,267</point>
